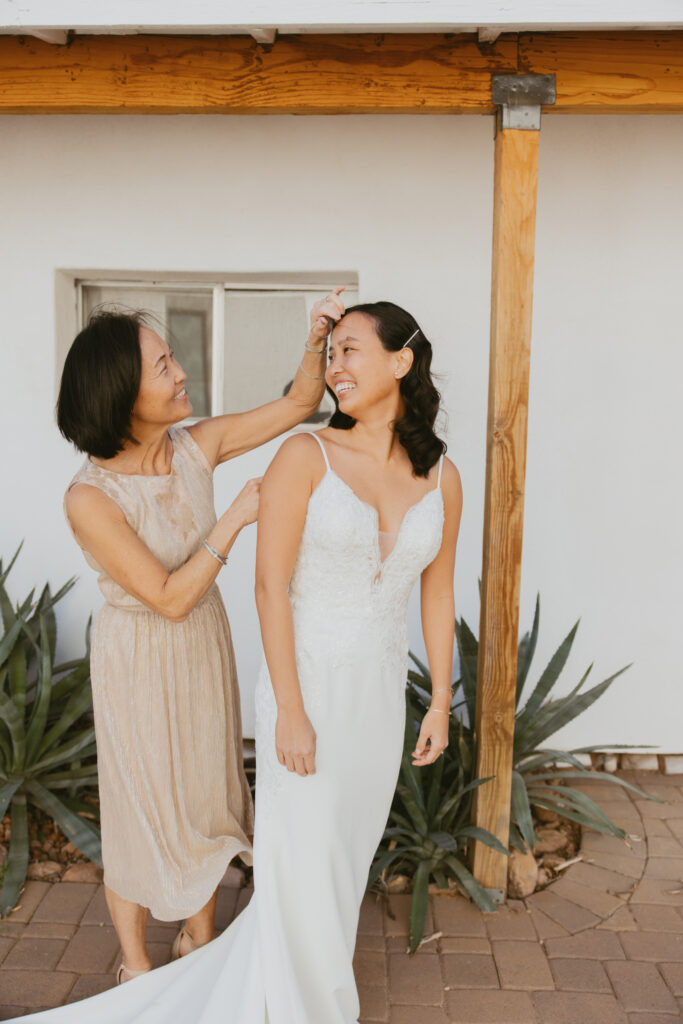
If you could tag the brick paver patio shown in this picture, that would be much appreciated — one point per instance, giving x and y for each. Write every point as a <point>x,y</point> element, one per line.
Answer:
<point>602,945</point>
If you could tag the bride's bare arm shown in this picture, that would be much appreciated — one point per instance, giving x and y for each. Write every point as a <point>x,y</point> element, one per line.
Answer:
<point>438,621</point>
<point>286,488</point>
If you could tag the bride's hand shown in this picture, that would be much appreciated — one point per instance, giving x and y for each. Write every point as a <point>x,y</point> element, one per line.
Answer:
<point>295,741</point>
<point>326,313</point>
<point>434,729</point>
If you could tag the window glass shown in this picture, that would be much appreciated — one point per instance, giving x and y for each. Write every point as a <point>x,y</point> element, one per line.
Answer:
<point>263,343</point>
<point>265,334</point>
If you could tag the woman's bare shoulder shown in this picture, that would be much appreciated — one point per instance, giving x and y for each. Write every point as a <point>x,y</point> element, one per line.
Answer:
<point>300,454</point>
<point>450,480</point>
<point>82,501</point>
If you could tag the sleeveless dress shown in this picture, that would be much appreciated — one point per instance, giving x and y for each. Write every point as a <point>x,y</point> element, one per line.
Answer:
<point>174,800</point>
<point>287,958</point>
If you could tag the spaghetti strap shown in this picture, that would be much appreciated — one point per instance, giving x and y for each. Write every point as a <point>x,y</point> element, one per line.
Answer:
<point>322,448</point>
<point>438,479</point>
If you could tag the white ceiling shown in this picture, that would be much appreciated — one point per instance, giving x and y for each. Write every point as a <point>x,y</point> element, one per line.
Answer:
<point>52,18</point>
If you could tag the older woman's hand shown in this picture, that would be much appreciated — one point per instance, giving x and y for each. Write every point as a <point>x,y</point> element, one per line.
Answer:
<point>326,313</point>
<point>244,509</point>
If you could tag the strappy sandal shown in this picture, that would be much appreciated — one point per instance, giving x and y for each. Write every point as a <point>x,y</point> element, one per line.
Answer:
<point>125,974</point>
<point>175,948</point>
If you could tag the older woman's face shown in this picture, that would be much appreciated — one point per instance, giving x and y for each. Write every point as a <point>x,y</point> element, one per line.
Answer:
<point>162,398</point>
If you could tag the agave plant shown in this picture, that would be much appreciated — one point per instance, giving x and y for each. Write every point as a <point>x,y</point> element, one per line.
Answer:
<point>535,779</point>
<point>429,830</point>
<point>47,739</point>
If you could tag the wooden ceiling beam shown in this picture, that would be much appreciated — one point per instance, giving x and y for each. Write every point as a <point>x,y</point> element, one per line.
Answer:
<point>609,72</point>
<point>597,72</point>
<point>334,74</point>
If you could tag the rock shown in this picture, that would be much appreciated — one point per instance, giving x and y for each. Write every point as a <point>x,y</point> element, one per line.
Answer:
<point>543,878</point>
<point>546,816</point>
<point>69,849</point>
<point>550,840</point>
<point>399,883</point>
<point>522,874</point>
<point>86,871</point>
<point>552,860</point>
<point>44,869</point>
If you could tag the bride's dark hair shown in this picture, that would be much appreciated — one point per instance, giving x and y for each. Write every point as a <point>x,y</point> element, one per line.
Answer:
<point>415,429</point>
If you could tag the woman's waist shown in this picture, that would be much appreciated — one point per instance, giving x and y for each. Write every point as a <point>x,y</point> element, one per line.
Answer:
<point>120,600</point>
<point>372,604</point>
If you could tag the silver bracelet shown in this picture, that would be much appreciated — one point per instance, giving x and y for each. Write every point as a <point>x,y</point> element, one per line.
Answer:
<point>318,351</point>
<point>440,710</point>
<point>310,375</point>
<point>441,689</point>
<point>216,554</point>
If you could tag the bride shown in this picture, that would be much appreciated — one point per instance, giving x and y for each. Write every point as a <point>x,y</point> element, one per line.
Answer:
<point>349,518</point>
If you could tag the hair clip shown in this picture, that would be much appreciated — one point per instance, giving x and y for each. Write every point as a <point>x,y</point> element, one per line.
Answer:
<point>410,338</point>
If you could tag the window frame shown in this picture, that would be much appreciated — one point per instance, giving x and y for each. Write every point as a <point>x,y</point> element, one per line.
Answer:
<point>74,282</point>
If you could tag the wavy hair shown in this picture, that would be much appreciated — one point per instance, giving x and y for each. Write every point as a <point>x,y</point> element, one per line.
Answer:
<point>415,429</point>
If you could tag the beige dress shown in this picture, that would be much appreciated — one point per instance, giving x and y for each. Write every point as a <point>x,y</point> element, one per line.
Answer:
<point>174,799</point>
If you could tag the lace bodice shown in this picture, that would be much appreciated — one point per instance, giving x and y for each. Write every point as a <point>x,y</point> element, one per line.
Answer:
<point>340,568</point>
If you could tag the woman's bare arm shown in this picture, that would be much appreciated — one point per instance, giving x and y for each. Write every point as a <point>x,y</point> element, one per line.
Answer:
<point>287,486</point>
<point>223,437</point>
<point>101,529</point>
<point>438,621</point>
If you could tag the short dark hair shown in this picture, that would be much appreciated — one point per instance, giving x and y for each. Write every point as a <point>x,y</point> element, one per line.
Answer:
<point>100,382</point>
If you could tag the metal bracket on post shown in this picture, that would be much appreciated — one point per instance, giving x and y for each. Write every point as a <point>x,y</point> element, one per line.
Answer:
<point>519,99</point>
<point>498,896</point>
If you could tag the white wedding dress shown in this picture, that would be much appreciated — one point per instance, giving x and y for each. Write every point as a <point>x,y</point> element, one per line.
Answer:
<point>287,958</point>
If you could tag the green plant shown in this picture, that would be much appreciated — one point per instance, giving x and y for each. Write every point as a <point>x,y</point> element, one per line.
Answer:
<point>535,778</point>
<point>47,739</point>
<point>429,828</point>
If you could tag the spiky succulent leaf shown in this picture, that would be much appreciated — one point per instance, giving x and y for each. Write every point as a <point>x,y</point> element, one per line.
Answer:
<point>80,832</point>
<point>17,856</point>
<point>419,903</point>
<point>527,648</point>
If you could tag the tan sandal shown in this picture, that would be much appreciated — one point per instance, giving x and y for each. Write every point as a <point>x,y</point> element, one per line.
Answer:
<point>175,948</point>
<point>125,974</point>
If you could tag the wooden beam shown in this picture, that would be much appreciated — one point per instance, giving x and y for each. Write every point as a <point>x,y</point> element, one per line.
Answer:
<point>515,186</point>
<point>609,72</point>
<point>596,72</point>
<point>364,74</point>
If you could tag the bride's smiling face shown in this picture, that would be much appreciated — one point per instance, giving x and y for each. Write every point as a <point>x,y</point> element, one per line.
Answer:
<point>360,371</point>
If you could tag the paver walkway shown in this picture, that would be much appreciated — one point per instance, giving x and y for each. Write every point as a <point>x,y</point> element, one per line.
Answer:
<point>603,945</point>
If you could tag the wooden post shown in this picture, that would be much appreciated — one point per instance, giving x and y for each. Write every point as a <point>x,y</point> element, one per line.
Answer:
<point>514,219</point>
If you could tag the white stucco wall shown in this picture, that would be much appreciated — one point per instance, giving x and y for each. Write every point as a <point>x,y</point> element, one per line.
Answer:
<point>406,202</point>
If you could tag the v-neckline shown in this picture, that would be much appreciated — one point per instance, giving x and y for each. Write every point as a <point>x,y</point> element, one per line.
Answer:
<point>366,504</point>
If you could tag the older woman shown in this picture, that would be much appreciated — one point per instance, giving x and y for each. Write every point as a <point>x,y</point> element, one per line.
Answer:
<point>175,804</point>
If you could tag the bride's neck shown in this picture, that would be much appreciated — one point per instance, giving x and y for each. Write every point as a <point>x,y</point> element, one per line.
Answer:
<point>377,437</point>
